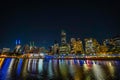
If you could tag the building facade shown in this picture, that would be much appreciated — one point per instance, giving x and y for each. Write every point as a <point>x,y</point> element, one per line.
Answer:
<point>91,46</point>
<point>76,46</point>
<point>65,47</point>
<point>63,38</point>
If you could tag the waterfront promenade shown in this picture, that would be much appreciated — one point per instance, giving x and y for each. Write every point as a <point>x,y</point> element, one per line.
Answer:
<point>68,57</point>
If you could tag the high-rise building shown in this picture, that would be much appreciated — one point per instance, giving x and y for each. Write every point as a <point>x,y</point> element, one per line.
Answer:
<point>109,44</point>
<point>56,48</point>
<point>72,44</point>
<point>64,48</point>
<point>79,46</point>
<point>116,40</point>
<point>26,48</point>
<point>63,37</point>
<point>76,46</point>
<point>91,46</point>
<point>17,47</point>
<point>103,49</point>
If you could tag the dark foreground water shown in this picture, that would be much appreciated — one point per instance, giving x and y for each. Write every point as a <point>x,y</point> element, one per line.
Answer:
<point>39,69</point>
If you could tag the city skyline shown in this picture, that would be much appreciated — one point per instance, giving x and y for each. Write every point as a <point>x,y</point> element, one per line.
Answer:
<point>59,40</point>
<point>42,22</point>
<point>67,41</point>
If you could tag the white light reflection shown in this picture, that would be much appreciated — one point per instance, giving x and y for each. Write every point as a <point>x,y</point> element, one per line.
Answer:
<point>85,67</point>
<point>63,69</point>
<point>98,72</point>
<point>10,68</point>
<point>34,65</point>
<point>55,67</point>
<point>78,61</point>
<point>111,69</point>
<point>71,68</point>
<point>75,70</point>
<point>29,61</point>
<point>40,65</point>
<point>11,63</point>
<point>25,68</point>
<point>50,70</point>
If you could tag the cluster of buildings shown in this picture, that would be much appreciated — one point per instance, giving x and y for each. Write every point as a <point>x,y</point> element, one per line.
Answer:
<point>89,46</point>
<point>28,48</point>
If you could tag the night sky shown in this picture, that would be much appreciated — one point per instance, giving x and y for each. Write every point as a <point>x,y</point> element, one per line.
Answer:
<point>42,22</point>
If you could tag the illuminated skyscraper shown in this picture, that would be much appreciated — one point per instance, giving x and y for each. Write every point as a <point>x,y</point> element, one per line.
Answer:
<point>91,46</point>
<point>116,42</point>
<point>63,38</point>
<point>103,49</point>
<point>76,46</point>
<point>109,43</point>
<point>18,46</point>
<point>64,48</point>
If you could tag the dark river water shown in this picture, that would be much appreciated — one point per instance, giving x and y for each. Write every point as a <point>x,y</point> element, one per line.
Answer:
<point>40,69</point>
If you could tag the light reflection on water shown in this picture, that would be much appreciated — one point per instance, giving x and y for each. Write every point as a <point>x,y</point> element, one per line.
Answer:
<point>19,67</point>
<point>40,66</point>
<point>32,69</point>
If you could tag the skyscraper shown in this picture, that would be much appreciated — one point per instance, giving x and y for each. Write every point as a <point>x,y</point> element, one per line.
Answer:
<point>64,48</point>
<point>76,46</point>
<point>63,37</point>
<point>91,46</point>
<point>18,46</point>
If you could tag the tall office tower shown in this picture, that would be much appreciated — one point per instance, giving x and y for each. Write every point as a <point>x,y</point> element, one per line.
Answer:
<point>72,43</point>
<point>63,37</point>
<point>76,46</point>
<point>91,46</point>
<point>64,48</point>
